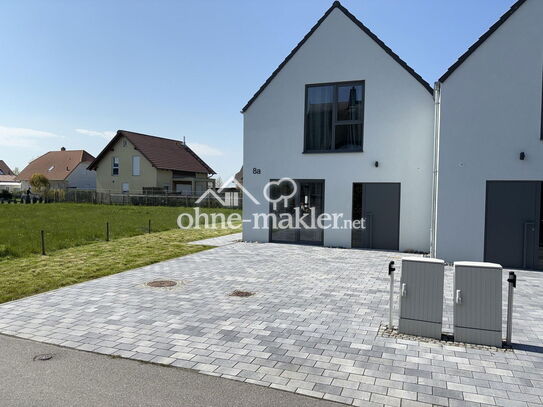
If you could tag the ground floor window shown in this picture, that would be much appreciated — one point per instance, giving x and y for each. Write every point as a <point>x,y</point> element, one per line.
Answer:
<point>183,187</point>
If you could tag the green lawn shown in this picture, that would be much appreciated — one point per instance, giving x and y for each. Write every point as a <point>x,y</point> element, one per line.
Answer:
<point>33,274</point>
<point>70,225</point>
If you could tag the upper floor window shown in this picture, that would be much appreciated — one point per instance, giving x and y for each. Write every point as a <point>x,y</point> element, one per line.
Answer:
<point>136,165</point>
<point>115,166</point>
<point>334,117</point>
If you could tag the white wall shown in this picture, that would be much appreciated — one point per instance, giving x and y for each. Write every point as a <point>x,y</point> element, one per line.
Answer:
<point>398,131</point>
<point>490,112</point>
<point>82,178</point>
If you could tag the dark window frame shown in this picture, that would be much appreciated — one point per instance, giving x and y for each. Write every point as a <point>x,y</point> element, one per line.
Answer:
<point>113,167</point>
<point>335,121</point>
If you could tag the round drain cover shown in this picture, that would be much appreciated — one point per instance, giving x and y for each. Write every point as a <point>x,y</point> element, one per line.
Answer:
<point>43,357</point>
<point>162,283</point>
<point>239,293</point>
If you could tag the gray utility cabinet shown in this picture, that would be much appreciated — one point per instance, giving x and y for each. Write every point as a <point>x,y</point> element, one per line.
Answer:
<point>477,300</point>
<point>421,297</point>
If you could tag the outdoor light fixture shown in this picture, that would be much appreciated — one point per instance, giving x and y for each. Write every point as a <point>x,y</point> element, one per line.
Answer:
<point>522,156</point>
<point>376,164</point>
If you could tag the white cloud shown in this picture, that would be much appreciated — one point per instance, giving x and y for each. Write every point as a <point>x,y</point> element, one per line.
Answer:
<point>108,135</point>
<point>21,137</point>
<point>204,150</point>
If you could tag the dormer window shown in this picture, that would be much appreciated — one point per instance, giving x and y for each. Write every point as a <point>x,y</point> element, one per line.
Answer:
<point>334,117</point>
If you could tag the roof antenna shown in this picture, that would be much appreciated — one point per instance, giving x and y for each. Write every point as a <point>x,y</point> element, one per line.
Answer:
<point>184,141</point>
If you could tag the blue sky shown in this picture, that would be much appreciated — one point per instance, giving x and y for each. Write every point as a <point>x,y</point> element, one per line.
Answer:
<point>72,72</point>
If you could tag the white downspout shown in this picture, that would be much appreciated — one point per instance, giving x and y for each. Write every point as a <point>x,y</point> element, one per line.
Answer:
<point>435,174</point>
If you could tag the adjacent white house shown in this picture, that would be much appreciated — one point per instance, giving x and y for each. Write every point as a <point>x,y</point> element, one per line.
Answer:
<point>352,123</point>
<point>491,146</point>
<point>456,170</point>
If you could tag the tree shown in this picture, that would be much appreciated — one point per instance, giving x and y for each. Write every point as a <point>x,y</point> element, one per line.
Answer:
<point>16,171</point>
<point>39,183</point>
<point>218,182</point>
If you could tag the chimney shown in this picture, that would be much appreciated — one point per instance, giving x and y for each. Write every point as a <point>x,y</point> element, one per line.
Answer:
<point>62,148</point>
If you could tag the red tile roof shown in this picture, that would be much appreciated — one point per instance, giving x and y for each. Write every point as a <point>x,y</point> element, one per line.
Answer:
<point>162,153</point>
<point>55,165</point>
<point>7,178</point>
<point>4,169</point>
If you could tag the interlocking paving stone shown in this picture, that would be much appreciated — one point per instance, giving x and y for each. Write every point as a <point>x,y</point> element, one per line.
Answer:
<point>312,327</point>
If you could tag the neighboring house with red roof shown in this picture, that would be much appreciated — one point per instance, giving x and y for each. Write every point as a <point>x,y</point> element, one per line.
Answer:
<point>4,169</point>
<point>7,178</point>
<point>64,169</point>
<point>139,163</point>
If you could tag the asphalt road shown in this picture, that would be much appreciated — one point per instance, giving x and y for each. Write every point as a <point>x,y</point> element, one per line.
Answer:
<point>76,378</point>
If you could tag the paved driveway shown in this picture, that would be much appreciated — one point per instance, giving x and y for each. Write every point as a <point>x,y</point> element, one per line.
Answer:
<point>312,327</point>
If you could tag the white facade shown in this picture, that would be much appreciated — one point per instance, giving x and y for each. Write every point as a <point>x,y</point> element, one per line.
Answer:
<point>81,177</point>
<point>490,112</point>
<point>398,132</point>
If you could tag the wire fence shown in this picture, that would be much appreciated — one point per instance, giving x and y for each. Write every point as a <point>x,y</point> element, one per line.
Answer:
<point>228,199</point>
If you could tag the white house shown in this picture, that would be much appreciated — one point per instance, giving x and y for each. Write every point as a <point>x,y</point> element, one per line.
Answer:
<point>491,146</point>
<point>352,123</point>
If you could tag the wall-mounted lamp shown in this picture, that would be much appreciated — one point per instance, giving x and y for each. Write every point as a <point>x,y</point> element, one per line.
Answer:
<point>523,156</point>
<point>376,164</point>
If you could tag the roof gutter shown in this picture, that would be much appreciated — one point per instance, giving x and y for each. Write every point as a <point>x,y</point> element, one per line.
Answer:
<point>435,172</point>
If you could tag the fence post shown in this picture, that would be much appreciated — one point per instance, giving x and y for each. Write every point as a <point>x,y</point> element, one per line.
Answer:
<point>42,243</point>
<point>149,225</point>
<point>107,231</point>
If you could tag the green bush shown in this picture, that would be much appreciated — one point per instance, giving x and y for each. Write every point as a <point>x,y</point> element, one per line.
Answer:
<point>5,251</point>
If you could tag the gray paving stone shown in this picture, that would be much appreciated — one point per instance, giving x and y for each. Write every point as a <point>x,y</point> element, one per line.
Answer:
<point>310,327</point>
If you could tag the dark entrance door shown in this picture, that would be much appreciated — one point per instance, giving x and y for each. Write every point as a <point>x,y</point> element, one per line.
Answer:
<point>309,195</point>
<point>379,205</point>
<point>512,224</point>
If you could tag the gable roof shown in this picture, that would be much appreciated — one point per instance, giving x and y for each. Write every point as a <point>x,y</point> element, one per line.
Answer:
<point>162,153</point>
<point>55,165</point>
<point>4,169</point>
<point>482,39</point>
<point>365,29</point>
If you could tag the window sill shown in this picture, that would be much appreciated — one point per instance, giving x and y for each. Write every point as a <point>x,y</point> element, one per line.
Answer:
<point>331,151</point>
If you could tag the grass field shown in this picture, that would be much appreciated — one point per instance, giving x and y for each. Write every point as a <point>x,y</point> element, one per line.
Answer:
<point>70,225</point>
<point>33,274</point>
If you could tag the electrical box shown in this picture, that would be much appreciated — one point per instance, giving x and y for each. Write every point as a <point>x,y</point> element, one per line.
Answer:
<point>421,297</point>
<point>477,300</point>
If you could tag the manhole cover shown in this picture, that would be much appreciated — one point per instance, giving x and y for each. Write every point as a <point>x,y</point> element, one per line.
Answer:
<point>45,356</point>
<point>239,293</point>
<point>162,283</point>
